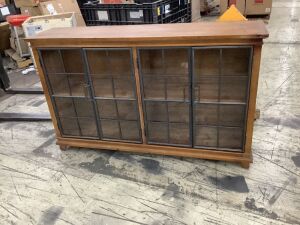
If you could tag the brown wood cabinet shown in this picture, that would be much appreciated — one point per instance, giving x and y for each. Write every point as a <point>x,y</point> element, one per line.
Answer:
<point>175,89</point>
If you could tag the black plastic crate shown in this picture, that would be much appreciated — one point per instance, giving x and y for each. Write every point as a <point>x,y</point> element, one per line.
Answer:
<point>162,11</point>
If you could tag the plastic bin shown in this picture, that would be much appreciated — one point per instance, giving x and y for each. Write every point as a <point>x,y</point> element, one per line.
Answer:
<point>162,11</point>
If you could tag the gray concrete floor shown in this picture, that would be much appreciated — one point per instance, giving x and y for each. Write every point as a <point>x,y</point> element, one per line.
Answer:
<point>39,184</point>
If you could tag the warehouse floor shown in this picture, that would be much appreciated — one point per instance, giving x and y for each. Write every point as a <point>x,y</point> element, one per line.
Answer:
<point>39,184</point>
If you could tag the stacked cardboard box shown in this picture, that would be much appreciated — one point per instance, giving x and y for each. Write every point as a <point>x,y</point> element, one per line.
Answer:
<point>28,7</point>
<point>248,7</point>
<point>258,7</point>
<point>50,7</point>
<point>54,7</point>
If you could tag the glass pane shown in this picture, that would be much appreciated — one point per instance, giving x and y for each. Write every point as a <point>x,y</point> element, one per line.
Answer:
<point>59,84</point>
<point>206,114</point>
<point>179,133</point>
<point>235,61</point>
<point>113,87</point>
<point>74,107</point>
<point>109,62</point>
<point>168,88</point>
<point>178,88</point>
<point>234,89</point>
<point>231,138</point>
<point>158,132</point>
<point>165,73</point>
<point>130,130</point>
<point>52,61</point>
<point>88,127</point>
<point>109,109</point>
<point>156,111</point>
<point>206,62</point>
<point>124,88</point>
<point>206,136</point>
<point>154,88</point>
<point>164,61</point>
<point>127,110</point>
<point>63,61</point>
<point>72,60</point>
<point>167,111</point>
<point>207,89</point>
<point>84,107</point>
<point>232,115</point>
<point>110,129</point>
<point>65,107</point>
<point>179,112</point>
<point>69,126</point>
<point>67,85</point>
<point>165,79</point>
<point>103,87</point>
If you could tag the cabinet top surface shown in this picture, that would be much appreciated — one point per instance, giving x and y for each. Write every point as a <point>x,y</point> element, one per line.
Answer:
<point>158,32</point>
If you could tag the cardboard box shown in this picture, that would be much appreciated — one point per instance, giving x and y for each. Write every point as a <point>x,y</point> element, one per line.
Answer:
<point>26,3</point>
<point>37,24</point>
<point>62,6</point>
<point>31,11</point>
<point>12,43</point>
<point>4,36</point>
<point>258,7</point>
<point>240,5</point>
<point>196,4</point>
<point>23,45</point>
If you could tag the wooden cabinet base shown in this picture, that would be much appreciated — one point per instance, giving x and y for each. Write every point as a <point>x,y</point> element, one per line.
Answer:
<point>64,147</point>
<point>243,159</point>
<point>245,165</point>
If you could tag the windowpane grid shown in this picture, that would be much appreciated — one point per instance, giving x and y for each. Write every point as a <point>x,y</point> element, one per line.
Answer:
<point>221,77</point>
<point>70,72</point>
<point>115,95</point>
<point>165,80</point>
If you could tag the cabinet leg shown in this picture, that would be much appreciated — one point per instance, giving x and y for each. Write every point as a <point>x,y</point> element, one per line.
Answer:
<point>64,147</point>
<point>245,165</point>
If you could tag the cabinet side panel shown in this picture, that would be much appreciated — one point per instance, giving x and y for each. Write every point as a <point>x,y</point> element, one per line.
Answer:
<point>46,90</point>
<point>252,99</point>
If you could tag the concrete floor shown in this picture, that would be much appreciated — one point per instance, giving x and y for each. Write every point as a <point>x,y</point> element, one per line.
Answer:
<point>39,184</point>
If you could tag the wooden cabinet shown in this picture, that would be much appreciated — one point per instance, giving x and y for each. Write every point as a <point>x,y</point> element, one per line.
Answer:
<point>176,89</point>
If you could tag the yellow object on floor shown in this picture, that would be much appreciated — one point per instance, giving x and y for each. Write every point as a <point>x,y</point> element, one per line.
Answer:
<point>232,14</point>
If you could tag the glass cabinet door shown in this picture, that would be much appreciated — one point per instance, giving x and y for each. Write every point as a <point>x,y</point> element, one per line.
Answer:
<point>114,90</point>
<point>220,96</point>
<point>165,81</point>
<point>68,86</point>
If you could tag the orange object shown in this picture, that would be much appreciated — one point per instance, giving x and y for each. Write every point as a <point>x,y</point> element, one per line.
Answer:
<point>232,14</point>
<point>16,20</point>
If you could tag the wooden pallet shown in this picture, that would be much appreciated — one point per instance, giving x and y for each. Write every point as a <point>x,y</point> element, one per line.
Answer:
<point>17,59</point>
